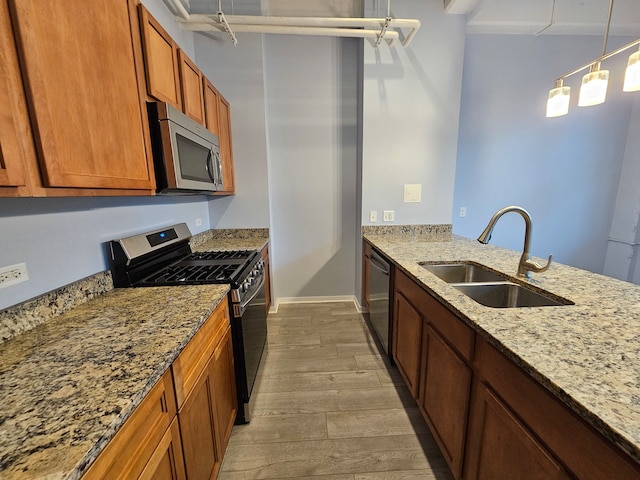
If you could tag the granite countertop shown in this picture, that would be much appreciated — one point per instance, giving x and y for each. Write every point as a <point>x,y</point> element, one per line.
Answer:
<point>70,383</point>
<point>75,363</point>
<point>586,354</point>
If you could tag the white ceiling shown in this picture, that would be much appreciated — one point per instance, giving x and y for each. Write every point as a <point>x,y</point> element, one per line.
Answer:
<point>483,16</point>
<point>578,17</point>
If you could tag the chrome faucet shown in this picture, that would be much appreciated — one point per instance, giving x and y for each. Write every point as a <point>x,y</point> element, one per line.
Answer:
<point>526,265</point>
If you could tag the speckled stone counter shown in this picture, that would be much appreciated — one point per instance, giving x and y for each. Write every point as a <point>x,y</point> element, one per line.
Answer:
<point>230,239</point>
<point>67,385</point>
<point>587,354</point>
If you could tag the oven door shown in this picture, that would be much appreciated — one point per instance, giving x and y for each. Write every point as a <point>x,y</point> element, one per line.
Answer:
<point>249,343</point>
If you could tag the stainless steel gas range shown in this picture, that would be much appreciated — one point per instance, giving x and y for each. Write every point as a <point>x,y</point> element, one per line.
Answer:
<point>164,258</point>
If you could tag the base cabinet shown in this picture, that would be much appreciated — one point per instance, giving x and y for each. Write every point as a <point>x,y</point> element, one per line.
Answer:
<point>444,395</point>
<point>182,427</point>
<point>517,429</point>
<point>490,418</point>
<point>433,349</point>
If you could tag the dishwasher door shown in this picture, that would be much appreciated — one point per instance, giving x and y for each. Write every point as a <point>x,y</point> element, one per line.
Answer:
<point>379,284</point>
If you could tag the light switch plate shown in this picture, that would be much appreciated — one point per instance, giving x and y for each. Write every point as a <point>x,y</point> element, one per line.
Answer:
<point>388,216</point>
<point>413,193</point>
<point>373,216</point>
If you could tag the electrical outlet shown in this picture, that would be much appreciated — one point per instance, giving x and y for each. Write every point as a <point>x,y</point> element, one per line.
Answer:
<point>388,215</point>
<point>13,274</point>
<point>463,211</point>
<point>373,216</point>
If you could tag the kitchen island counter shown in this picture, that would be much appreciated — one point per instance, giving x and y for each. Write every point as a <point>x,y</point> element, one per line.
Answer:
<point>586,354</point>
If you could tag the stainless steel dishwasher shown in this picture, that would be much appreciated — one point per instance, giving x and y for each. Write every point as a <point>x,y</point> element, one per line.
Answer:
<point>379,284</point>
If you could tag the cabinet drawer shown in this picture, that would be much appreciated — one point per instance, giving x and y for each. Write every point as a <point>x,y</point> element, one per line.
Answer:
<point>193,359</point>
<point>458,334</point>
<point>132,447</point>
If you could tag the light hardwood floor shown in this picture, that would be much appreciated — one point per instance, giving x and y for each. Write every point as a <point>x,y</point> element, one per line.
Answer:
<point>328,406</point>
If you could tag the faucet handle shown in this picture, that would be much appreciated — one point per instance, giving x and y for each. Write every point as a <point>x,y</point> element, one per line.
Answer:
<point>536,267</point>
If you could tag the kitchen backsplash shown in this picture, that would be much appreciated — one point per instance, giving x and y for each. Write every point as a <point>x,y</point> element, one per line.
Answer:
<point>29,314</point>
<point>434,232</point>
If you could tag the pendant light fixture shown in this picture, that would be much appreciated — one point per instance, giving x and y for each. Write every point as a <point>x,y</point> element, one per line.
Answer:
<point>632,77</point>
<point>593,90</point>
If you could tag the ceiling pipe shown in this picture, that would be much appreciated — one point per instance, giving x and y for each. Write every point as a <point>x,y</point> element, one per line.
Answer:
<point>319,26</point>
<point>389,36</point>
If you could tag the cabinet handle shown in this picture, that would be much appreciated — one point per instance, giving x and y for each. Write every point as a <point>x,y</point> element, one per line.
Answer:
<point>2,164</point>
<point>163,403</point>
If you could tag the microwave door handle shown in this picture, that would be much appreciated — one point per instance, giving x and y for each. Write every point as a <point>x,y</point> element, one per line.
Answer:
<point>219,168</point>
<point>209,167</point>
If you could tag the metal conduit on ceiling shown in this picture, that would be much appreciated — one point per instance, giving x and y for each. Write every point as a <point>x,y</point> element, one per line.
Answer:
<point>373,29</point>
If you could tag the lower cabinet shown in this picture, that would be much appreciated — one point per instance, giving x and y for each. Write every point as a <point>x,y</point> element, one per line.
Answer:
<point>182,427</point>
<point>432,349</point>
<point>517,429</point>
<point>490,418</point>
<point>147,443</point>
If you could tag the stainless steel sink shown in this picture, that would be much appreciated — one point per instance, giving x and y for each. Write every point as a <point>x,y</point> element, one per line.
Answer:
<point>508,295</point>
<point>463,272</point>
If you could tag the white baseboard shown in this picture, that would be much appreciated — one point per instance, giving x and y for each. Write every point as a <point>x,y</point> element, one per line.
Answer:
<point>327,299</point>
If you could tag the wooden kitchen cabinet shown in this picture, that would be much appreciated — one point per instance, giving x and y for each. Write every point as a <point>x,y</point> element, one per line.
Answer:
<point>204,375</point>
<point>160,60</point>
<point>14,124</point>
<point>433,350</point>
<point>148,443</point>
<point>445,390</point>
<point>267,277</point>
<point>85,93</point>
<point>218,120</point>
<point>407,330</point>
<point>517,429</point>
<point>192,91</point>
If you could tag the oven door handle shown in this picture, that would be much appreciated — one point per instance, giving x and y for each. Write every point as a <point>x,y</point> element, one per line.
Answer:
<point>253,295</point>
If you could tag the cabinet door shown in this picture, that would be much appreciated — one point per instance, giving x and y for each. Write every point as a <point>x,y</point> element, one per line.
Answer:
<point>407,333</point>
<point>81,73</point>
<point>137,442</point>
<point>198,431</point>
<point>192,91</point>
<point>11,105</point>
<point>222,371</point>
<point>226,146</point>
<point>504,448</point>
<point>444,396</point>
<point>211,106</point>
<point>160,60</point>
<point>167,462</point>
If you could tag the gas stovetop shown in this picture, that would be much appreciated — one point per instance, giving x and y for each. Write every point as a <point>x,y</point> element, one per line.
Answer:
<point>164,257</point>
<point>202,267</point>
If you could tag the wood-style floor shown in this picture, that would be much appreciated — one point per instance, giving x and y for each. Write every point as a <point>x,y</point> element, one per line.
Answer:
<point>329,407</point>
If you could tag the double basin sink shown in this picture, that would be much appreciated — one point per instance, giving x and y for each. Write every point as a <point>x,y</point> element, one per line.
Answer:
<point>491,288</point>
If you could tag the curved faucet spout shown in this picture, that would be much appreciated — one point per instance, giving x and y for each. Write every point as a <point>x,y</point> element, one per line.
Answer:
<point>526,265</point>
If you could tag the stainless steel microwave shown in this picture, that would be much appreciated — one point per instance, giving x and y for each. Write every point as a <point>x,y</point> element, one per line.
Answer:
<point>186,155</point>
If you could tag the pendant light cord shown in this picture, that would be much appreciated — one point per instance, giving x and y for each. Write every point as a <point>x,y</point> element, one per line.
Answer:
<point>606,32</point>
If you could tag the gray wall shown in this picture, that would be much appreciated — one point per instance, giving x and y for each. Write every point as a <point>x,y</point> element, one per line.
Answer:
<point>564,170</point>
<point>312,92</point>
<point>63,239</point>
<point>411,111</point>
<point>237,72</point>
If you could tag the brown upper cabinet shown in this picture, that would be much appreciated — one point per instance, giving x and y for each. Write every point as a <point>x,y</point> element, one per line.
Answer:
<point>161,61</point>
<point>192,92</point>
<point>218,120</point>
<point>13,119</point>
<point>85,95</point>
